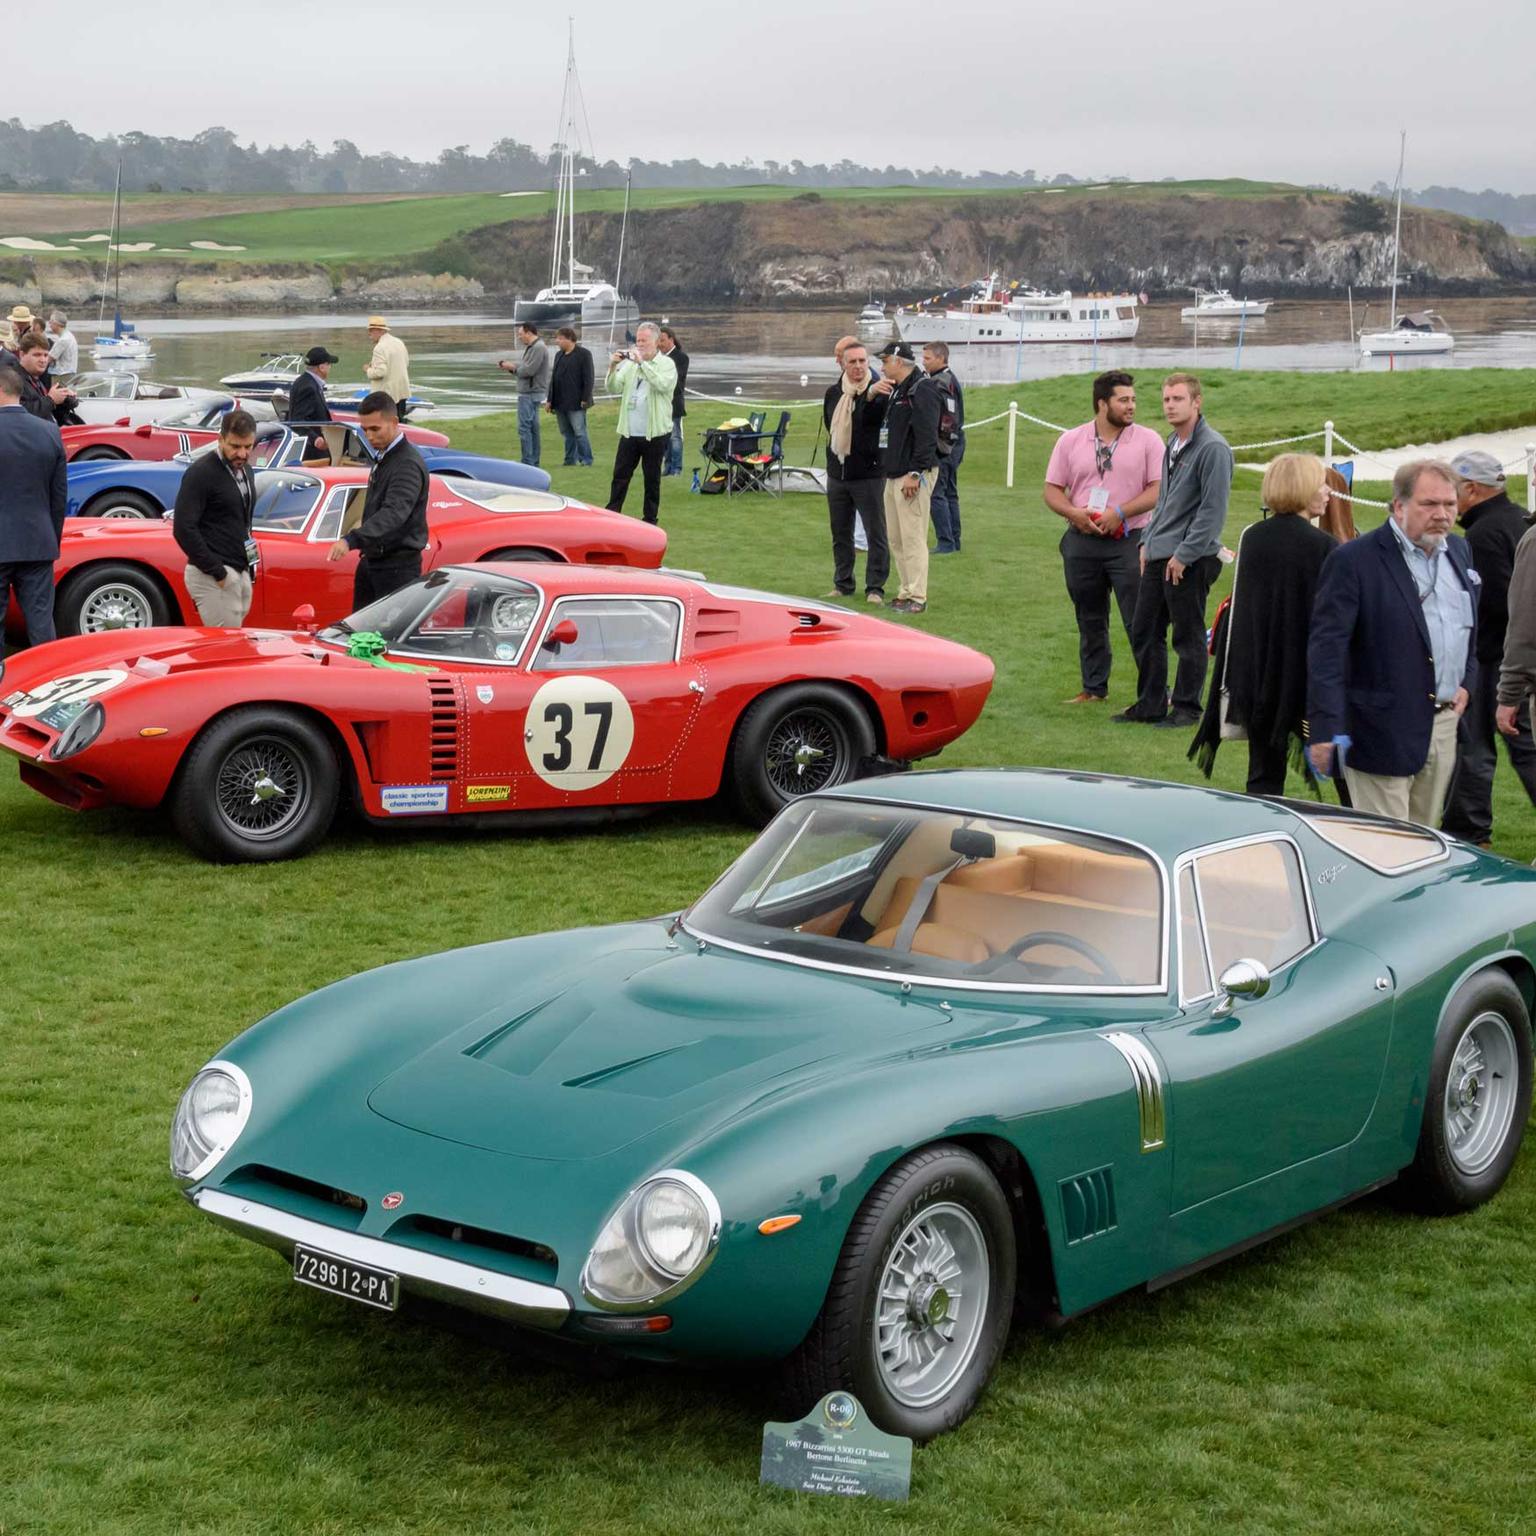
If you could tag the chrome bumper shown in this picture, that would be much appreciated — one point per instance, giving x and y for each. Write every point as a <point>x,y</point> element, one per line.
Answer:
<point>421,1274</point>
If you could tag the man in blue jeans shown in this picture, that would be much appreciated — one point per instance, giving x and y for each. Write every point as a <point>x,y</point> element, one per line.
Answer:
<point>570,395</point>
<point>532,373</point>
<point>670,349</point>
<point>944,511</point>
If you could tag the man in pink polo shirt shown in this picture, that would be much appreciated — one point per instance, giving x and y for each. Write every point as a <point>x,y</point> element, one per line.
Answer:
<point>1103,479</point>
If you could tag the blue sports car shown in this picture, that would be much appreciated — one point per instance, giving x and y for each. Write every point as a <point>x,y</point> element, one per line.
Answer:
<point>135,488</point>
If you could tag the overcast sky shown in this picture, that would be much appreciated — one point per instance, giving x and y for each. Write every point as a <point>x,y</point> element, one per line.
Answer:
<point>1304,90</point>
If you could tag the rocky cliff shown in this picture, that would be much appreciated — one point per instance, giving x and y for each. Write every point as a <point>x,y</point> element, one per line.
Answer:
<point>811,248</point>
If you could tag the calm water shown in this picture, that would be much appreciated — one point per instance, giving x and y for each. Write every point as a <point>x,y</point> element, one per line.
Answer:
<point>765,355</point>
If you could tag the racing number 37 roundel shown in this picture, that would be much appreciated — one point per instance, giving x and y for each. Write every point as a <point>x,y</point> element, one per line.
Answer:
<point>579,732</point>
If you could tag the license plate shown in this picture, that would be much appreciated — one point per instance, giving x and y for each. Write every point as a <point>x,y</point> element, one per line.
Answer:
<point>341,1277</point>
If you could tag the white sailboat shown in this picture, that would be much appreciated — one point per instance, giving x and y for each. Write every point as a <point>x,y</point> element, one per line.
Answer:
<point>1408,335</point>
<point>122,343</point>
<point>575,291</point>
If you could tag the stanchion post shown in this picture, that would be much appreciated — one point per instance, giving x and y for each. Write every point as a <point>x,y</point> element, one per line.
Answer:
<point>1327,442</point>
<point>1530,477</point>
<point>1013,431</point>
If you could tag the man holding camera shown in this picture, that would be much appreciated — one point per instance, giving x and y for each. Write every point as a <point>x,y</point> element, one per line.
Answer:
<point>645,379</point>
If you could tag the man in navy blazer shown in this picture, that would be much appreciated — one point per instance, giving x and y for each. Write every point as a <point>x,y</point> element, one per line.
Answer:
<point>33,486</point>
<point>1393,651</point>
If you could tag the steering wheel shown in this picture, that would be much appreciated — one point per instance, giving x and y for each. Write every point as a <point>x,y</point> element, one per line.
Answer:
<point>1066,941</point>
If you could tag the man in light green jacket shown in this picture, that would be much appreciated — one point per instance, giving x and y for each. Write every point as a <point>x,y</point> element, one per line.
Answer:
<point>645,379</point>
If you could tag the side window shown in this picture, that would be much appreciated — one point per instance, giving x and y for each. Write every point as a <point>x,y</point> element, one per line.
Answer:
<point>611,632</point>
<point>327,527</point>
<point>1194,973</point>
<point>1255,904</point>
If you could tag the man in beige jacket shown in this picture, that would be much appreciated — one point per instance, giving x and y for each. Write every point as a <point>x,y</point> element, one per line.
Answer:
<point>389,368</point>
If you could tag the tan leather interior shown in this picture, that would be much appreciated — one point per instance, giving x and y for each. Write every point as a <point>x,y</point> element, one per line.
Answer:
<point>356,502</point>
<point>1108,900</point>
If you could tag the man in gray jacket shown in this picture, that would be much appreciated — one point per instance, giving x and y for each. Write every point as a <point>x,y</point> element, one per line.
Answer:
<point>1179,560</point>
<point>532,373</point>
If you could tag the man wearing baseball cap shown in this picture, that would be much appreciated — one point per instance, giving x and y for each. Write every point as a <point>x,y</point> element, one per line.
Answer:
<point>1494,525</point>
<point>306,400</point>
<point>389,369</point>
<point>909,459</point>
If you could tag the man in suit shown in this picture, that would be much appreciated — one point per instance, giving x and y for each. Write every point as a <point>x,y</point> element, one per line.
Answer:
<point>1392,656</point>
<point>570,395</point>
<point>212,524</point>
<point>306,400</point>
<point>670,348</point>
<point>393,531</point>
<point>33,487</point>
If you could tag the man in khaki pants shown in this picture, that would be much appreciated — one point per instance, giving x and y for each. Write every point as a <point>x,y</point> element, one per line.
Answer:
<point>212,524</point>
<point>909,459</point>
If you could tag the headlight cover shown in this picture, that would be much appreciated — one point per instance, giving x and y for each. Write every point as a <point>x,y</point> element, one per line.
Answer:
<point>209,1118</point>
<point>80,732</point>
<point>656,1244</point>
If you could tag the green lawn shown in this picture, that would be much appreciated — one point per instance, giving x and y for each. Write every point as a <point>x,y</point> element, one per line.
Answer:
<point>328,232</point>
<point>1370,1373</point>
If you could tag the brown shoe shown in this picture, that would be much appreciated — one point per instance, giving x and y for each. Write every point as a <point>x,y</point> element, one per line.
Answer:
<point>1086,698</point>
<point>874,599</point>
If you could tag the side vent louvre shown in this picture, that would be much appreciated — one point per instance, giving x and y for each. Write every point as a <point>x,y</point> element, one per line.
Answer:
<point>1088,1205</point>
<point>445,728</point>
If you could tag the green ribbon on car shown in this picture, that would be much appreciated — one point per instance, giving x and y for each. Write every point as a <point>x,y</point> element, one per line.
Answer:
<point>369,645</point>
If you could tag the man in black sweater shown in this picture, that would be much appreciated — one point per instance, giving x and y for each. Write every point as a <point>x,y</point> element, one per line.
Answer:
<point>306,400</point>
<point>1494,526</point>
<point>909,463</point>
<point>668,345</point>
<point>854,412</point>
<point>212,524</point>
<point>570,395</point>
<point>393,531</point>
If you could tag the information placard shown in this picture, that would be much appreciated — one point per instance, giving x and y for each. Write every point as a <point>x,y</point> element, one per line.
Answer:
<point>835,1449</point>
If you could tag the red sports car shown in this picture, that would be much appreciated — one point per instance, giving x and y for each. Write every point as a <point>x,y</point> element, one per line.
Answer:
<point>512,690</point>
<point>126,573</point>
<point>151,443</point>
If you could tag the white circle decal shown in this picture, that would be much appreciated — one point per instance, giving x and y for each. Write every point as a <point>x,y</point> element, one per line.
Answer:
<point>579,732</point>
<point>76,689</point>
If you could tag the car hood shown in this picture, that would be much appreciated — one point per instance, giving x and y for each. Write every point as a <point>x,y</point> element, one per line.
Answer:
<point>618,1047</point>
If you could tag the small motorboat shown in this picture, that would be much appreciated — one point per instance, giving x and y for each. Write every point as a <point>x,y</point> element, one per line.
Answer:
<point>278,370</point>
<point>1220,305</point>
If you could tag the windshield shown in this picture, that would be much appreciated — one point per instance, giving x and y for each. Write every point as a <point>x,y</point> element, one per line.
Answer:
<point>270,439</point>
<point>450,614</point>
<point>944,896</point>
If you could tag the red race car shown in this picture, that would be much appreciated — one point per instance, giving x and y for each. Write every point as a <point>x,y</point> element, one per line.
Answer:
<point>512,690</point>
<point>126,573</point>
<point>275,444</point>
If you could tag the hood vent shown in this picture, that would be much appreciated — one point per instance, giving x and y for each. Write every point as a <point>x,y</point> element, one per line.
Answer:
<point>445,727</point>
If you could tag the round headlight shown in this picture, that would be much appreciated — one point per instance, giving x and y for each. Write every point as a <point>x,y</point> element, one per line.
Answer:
<point>80,732</point>
<point>211,1114</point>
<point>659,1241</point>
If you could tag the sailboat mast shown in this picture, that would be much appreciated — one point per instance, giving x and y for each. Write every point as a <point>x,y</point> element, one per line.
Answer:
<point>117,202</point>
<point>1397,228</point>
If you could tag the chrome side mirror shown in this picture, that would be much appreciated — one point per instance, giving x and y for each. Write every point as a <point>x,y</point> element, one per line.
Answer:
<point>1243,978</point>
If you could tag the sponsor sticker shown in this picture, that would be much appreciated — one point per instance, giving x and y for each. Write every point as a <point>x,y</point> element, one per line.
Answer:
<point>479,794</point>
<point>414,799</point>
<point>484,692</point>
<point>77,688</point>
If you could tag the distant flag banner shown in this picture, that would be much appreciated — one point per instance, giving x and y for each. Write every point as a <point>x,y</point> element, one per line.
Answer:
<point>1142,297</point>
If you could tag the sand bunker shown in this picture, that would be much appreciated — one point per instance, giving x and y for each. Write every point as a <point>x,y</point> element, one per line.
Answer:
<point>26,243</point>
<point>518,194</point>
<point>137,247</point>
<point>213,245</point>
<point>90,239</point>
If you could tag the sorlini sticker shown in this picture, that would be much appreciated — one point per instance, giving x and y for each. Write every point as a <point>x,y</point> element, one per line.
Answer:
<point>414,799</point>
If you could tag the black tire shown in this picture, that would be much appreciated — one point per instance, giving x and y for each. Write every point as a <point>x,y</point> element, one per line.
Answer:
<point>763,767</point>
<point>841,1350</point>
<point>122,504</point>
<point>537,556</point>
<point>88,455</point>
<point>215,807</point>
<point>109,596</point>
<point>1477,1100</point>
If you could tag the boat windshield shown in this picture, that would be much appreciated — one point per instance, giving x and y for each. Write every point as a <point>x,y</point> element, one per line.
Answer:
<point>449,615</point>
<point>942,896</point>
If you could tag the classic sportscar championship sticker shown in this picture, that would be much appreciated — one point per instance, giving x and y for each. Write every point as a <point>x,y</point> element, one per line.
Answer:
<point>579,732</point>
<point>78,688</point>
<point>480,794</point>
<point>414,799</point>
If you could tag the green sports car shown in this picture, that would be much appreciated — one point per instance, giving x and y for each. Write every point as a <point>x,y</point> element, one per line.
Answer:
<point>931,1047</point>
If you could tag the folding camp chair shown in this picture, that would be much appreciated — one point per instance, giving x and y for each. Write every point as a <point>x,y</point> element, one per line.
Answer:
<point>757,459</point>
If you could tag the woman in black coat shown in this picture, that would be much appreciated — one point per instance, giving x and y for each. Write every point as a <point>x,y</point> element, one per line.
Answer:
<point>1259,681</point>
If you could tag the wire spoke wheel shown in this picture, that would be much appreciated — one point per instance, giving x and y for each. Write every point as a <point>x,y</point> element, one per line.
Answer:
<point>931,1305</point>
<point>263,785</point>
<point>114,605</point>
<point>1481,1089</point>
<point>807,750</point>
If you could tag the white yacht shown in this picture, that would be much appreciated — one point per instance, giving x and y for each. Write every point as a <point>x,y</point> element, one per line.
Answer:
<point>1220,305</point>
<point>1006,316</point>
<point>278,370</point>
<point>575,292</point>
<point>1405,335</point>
